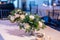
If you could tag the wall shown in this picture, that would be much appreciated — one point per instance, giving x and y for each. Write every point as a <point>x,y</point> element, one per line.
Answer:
<point>3,0</point>
<point>39,2</point>
<point>15,3</point>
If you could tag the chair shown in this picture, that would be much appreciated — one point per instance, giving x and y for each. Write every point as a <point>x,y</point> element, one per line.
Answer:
<point>5,10</point>
<point>54,15</point>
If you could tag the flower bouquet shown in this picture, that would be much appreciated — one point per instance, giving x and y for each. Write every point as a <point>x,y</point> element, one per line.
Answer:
<point>28,22</point>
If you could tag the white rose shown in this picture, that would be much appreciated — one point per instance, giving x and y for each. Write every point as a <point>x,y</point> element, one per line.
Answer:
<point>31,17</point>
<point>22,17</point>
<point>12,18</point>
<point>16,15</point>
<point>18,10</point>
<point>40,24</point>
<point>26,25</point>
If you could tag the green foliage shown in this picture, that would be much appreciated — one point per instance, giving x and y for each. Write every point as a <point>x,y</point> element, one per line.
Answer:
<point>17,11</point>
<point>33,22</point>
<point>13,12</point>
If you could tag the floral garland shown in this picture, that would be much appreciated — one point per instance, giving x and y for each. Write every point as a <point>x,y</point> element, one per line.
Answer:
<point>27,22</point>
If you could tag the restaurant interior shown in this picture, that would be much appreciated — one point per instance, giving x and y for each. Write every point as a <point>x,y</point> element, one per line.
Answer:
<point>47,10</point>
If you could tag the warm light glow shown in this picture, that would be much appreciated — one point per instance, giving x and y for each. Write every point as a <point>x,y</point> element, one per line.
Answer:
<point>44,4</point>
<point>54,4</point>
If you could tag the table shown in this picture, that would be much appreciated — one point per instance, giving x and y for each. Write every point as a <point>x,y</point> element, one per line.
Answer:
<point>11,31</point>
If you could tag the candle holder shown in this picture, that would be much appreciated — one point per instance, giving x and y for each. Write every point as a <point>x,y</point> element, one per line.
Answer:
<point>40,36</point>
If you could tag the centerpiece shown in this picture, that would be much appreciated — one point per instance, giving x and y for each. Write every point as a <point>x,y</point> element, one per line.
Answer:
<point>27,21</point>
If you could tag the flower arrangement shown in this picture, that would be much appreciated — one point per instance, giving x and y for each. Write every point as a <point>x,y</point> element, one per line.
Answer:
<point>27,22</point>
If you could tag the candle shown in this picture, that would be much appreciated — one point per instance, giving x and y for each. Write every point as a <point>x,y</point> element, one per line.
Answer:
<point>39,36</point>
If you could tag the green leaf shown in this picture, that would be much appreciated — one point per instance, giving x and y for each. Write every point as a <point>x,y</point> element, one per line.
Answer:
<point>12,12</point>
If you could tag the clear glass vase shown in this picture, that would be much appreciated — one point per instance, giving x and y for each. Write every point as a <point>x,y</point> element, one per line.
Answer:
<point>32,32</point>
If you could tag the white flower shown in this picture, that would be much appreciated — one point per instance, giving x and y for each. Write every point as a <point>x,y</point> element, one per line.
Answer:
<point>40,24</point>
<point>16,15</point>
<point>22,17</point>
<point>12,18</point>
<point>26,25</point>
<point>31,17</point>
<point>18,10</point>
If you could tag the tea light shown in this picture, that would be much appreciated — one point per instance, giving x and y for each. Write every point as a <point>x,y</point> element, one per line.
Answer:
<point>39,36</point>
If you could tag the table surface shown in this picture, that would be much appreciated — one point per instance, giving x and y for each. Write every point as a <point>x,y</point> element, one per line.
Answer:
<point>9,31</point>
